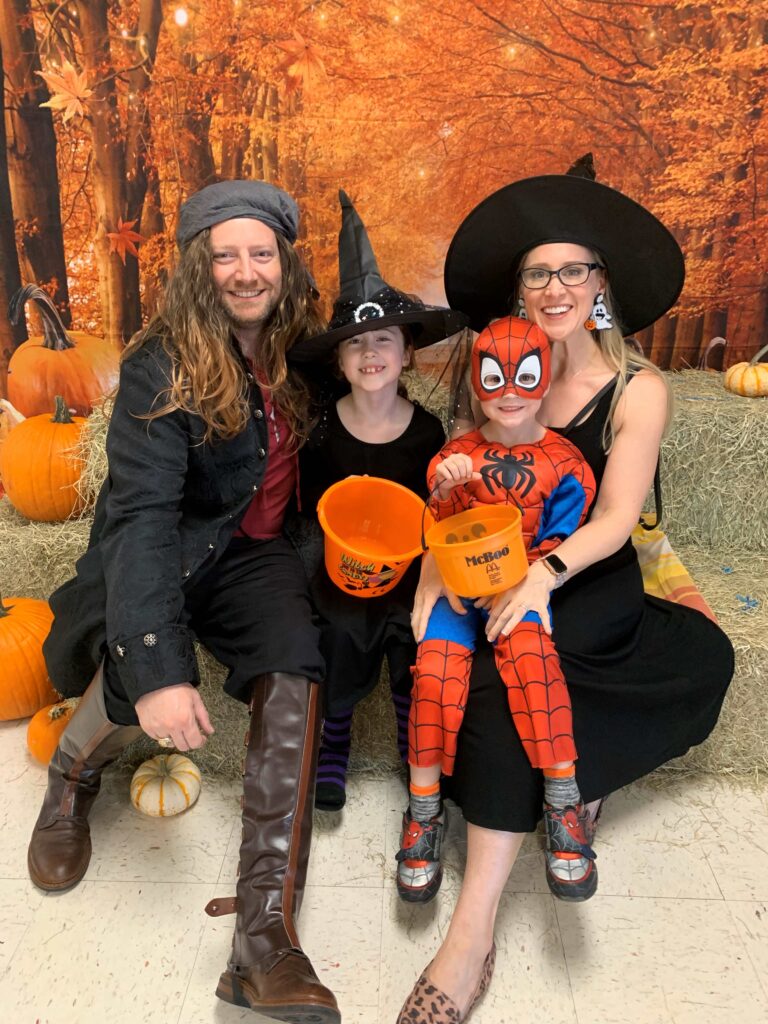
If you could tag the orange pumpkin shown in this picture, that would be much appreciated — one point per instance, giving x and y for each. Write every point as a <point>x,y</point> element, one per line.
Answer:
<point>39,469</point>
<point>24,683</point>
<point>749,379</point>
<point>78,366</point>
<point>45,728</point>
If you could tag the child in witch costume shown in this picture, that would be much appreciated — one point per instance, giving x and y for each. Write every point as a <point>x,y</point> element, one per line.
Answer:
<point>511,459</point>
<point>371,430</point>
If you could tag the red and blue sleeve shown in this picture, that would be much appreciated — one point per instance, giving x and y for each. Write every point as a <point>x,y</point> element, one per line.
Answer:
<point>565,508</point>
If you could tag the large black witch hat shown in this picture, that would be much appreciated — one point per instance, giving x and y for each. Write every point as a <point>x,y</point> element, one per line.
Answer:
<point>366,302</point>
<point>645,265</point>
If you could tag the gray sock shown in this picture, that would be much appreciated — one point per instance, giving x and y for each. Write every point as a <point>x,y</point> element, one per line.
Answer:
<point>561,792</point>
<point>424,808</point>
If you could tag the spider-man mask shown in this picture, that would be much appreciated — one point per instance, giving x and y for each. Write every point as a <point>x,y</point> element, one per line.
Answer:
<point>511,356</point>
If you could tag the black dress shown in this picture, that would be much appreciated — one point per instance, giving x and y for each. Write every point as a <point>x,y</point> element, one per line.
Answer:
<point>646,677</point>
<point>356,634</point>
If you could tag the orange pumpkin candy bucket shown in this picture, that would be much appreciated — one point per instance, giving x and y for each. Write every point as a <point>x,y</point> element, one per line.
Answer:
<point>481,551</point>
<point>373,531</point>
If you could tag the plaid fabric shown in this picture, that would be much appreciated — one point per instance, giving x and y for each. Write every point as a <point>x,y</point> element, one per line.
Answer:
<point>664,575</point>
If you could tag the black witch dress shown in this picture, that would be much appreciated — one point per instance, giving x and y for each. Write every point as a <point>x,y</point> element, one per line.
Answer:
<point>357,634</point>
<point>646,678</point>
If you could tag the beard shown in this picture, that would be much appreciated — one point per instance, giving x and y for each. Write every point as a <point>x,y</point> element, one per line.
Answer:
<point>241,318</point>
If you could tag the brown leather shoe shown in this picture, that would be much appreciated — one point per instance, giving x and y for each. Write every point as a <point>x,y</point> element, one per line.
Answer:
<point>427,1004</point>
<point>60,848</point>
<point>268,970</point>
<point>289,990</point>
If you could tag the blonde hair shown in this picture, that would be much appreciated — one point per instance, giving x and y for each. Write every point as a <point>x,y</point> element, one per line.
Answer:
<point>626,360</point>
<point>208,376</point>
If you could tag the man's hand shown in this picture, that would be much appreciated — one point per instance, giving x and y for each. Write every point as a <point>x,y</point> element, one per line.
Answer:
<point>176,711</point>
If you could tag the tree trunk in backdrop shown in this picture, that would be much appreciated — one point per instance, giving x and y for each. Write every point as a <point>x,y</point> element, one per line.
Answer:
<point>138,132</point>
<point>10,275</point>
<point>31,148</point>
<point>118,283</point>
<point>197,167</point>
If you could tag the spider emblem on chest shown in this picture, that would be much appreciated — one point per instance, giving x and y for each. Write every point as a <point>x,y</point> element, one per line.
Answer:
<point>513,473</point>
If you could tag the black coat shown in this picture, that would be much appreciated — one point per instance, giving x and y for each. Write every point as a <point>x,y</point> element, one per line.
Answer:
<point>165,514</point>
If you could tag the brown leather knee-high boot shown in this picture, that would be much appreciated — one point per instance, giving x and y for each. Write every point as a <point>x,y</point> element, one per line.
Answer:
<point>60,848</point>
<point>268,970</point>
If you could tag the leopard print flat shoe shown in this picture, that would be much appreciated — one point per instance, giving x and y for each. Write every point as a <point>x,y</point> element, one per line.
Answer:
<point>427,1004</point>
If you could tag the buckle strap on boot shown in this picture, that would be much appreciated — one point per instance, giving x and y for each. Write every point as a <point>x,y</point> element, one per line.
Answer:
<point>219,906</point>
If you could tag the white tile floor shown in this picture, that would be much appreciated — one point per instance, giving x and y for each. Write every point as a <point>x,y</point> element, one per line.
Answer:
<point>678,933</point>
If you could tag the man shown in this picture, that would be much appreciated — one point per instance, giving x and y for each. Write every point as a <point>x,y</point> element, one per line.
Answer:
<point>187,541</point>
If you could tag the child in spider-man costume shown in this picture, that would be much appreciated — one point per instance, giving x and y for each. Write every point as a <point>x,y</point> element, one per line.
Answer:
<point>511,459</point>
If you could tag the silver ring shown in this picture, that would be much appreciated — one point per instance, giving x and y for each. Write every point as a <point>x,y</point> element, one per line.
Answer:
<point>164,741</point>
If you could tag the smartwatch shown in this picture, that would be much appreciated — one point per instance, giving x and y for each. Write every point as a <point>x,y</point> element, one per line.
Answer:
<point>557,567</point>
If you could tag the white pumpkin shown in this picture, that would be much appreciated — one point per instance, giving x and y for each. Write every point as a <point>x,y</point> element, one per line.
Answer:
<point>165,785</point>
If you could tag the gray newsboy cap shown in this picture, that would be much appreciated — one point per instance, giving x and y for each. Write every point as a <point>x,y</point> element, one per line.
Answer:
<point>226,200</point>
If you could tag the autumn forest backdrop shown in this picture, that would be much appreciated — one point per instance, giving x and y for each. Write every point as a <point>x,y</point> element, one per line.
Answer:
<point>116,111</point>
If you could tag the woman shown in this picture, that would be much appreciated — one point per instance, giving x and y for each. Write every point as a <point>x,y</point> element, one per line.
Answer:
<point>646,677</point>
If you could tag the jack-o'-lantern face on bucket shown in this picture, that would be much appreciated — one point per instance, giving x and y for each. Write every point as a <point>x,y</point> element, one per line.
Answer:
<point>511,356</point>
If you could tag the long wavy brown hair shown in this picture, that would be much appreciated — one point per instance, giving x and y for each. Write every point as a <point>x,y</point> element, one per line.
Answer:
<point>209,375</point>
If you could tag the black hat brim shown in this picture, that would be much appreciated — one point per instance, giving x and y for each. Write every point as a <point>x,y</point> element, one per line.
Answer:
<point>426,327</point>
<point>645,265</point>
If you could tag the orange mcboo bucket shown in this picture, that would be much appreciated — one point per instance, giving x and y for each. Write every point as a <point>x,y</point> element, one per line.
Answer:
<point>372,533</point>
<point>481,551</point>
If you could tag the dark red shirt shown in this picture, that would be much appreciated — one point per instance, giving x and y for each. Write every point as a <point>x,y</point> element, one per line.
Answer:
<point>264,516</point>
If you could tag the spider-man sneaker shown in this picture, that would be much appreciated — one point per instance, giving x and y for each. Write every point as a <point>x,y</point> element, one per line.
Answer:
<point>419,871</point>
<point>571,870</point>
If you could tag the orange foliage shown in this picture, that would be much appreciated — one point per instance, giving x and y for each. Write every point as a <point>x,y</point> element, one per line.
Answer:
<point>418,112</point>
<point>69,90</point>
<point>123,240</point>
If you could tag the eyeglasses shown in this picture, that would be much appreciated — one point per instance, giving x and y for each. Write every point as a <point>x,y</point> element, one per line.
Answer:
<point>570,275</point>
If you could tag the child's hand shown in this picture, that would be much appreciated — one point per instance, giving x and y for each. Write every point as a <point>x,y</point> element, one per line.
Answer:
<point>453,471</point>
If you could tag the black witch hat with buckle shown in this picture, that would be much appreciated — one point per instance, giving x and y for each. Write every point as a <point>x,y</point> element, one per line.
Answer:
<point>366,302</point>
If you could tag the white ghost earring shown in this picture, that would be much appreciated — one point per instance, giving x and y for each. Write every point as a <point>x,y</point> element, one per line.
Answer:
<point>600,318</point>
<point>521,308</point>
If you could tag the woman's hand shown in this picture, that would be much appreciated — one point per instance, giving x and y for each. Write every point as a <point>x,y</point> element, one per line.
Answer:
<point>453,471</point>
<point>178,712</point>
<point>531,594</point>
<point>430,588</point>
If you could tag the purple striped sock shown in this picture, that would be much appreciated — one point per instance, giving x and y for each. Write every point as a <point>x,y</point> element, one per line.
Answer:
<point>334,750</point>
<point>402,706</point>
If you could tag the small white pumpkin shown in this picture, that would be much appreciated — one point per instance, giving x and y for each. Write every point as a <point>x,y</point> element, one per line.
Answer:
<point>165,785</point>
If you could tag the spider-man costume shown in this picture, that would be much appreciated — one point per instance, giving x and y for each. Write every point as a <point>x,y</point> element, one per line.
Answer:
<point>554,489</point>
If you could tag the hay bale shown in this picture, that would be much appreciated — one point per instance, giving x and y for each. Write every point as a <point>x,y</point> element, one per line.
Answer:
<point>430,392</point>
<point>374,733</point>
<point>35,558</point>
<point>92,450</point>
<point>714,466</point>
<point>735,584</point>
